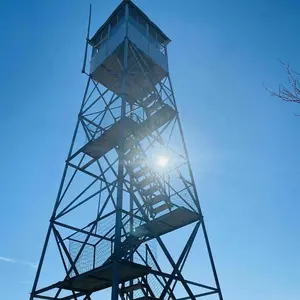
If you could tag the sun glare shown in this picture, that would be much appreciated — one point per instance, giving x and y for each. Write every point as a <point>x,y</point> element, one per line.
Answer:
<point>162,161</point>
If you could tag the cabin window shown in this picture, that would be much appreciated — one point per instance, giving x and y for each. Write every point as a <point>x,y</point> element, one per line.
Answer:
<point>118,19</point>
<point>160,39</point>
<point>114,22</point>
<point>95,51</point>
<point>143,24</point>
<point>161,43</point>
<point>104,35</point>
<point>157,39</point>
<point>133,14</point>
<point>102,38</point>
<point>121,14</point>
<point>138,20</point>
<point>152,34</point>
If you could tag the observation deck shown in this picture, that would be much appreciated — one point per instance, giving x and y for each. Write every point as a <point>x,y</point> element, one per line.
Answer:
<point>147,42</point>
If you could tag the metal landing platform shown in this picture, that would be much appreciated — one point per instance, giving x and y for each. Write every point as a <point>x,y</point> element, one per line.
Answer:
<point>101,278</point>
<point>166,223</point>
<point>109,139</point>
<point>133,132</point>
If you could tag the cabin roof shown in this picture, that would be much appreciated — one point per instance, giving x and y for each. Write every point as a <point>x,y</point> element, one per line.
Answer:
<point>93,40</point>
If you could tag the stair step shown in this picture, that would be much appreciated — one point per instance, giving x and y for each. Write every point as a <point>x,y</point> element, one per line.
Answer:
<point>153,122</point>
<point>145,182</point>
<point>149,100</point>
<point>157,198</point>
<point>160,208</point>
<point>132,154</point>
<point>131,143</point>
<point>142,172</point>
<point>154,107</point>
<point>150,191</point>
<point>134,287</point>
<point>129,243</point>
<point>136,163</point>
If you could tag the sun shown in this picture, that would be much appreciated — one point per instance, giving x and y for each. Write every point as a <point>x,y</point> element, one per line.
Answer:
<point>162,161</point>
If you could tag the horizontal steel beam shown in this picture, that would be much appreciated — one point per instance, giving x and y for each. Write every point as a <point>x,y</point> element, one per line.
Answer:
<point>82,231</point>
<point>199,295</point>
<point>154,272</point>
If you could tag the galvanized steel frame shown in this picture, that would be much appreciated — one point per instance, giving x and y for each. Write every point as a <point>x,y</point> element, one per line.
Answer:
<point>120,184</point>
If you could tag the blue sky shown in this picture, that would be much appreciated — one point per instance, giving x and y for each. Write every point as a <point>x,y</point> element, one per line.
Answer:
<point>244,145</point>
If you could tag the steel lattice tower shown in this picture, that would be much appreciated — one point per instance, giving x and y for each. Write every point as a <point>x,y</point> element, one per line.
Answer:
<point>127,186</point>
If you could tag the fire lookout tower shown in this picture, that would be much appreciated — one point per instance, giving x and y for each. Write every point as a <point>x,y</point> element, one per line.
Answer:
<point>127,198</point>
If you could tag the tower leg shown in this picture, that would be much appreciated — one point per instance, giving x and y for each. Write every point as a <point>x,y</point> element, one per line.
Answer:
<point>35,283</point>
<point>40,263</point>
<point>212,260</point>
<point>117,250</point>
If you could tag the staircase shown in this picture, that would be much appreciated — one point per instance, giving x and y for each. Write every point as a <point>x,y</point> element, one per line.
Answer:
<point>138,291</point>
<point>146,182</point>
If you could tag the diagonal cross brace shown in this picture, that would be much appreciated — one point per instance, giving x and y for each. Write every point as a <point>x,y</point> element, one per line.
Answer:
<point>185,250</point>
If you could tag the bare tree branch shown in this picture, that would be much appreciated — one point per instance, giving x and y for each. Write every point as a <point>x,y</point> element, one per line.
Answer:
<point>291,93</point>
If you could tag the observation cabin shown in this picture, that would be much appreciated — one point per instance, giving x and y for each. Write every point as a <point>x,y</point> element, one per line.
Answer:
<point>128,21</point>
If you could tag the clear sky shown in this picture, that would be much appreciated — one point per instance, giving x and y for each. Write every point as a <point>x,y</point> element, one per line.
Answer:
<point>244,145</point>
